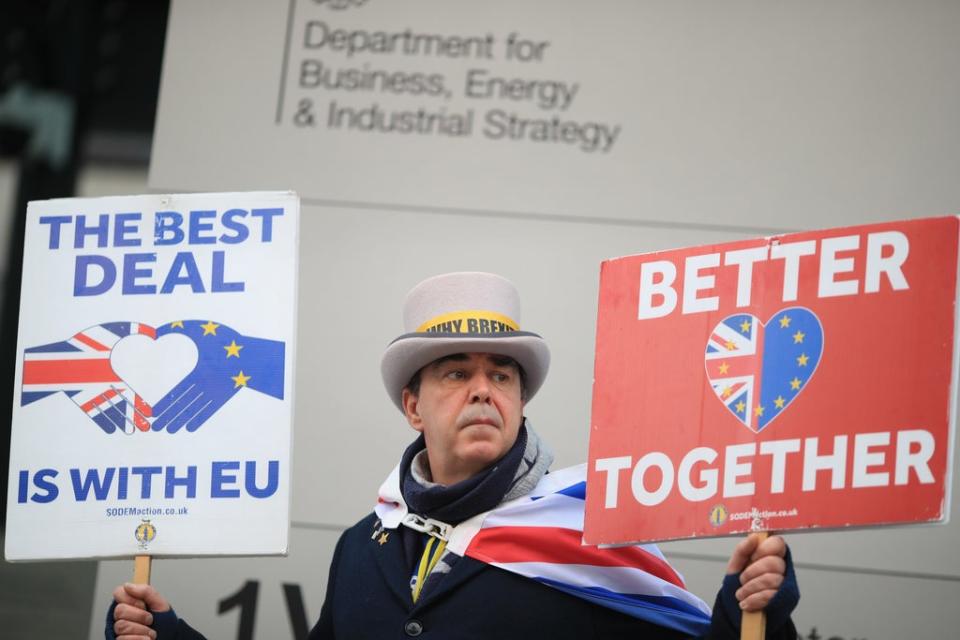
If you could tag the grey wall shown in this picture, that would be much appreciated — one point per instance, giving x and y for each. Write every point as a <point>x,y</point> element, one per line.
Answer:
<point>736,119</point>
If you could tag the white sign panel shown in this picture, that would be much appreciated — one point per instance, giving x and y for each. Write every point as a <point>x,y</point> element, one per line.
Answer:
<point>153,395</point>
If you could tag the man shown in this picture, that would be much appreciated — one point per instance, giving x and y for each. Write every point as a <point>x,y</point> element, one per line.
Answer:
<point>423,562</point>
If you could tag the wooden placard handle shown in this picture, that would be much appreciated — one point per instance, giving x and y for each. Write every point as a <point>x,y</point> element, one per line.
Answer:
<point>141,570</point>
<point>753,624</point>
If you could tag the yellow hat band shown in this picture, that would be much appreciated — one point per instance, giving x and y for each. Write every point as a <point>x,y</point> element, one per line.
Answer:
<point>475,322</point>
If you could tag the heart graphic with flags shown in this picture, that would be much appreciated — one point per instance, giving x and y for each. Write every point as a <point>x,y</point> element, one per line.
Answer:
<point>151,365</point>
<point>757,369</point>
<point>130,376</point>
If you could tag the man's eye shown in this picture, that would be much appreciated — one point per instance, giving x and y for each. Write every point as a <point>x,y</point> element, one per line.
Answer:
<point>500,377</point>
<point>455,375</point>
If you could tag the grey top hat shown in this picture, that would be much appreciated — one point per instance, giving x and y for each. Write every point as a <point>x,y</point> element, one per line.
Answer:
<point>466,312</point>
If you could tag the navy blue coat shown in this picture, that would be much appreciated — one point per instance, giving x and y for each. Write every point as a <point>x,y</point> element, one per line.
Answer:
<point>368,596</point>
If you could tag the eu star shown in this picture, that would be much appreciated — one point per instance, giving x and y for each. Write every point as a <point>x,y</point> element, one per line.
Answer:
<point>240,380</point>
<point>233,349</point>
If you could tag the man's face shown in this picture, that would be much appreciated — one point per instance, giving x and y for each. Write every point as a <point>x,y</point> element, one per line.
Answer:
<point>469,409</point>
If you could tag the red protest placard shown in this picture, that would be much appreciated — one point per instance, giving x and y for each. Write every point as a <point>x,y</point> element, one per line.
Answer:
<point>805,380</point>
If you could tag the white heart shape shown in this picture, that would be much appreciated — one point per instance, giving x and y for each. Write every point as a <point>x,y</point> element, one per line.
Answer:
<point>151,368</point>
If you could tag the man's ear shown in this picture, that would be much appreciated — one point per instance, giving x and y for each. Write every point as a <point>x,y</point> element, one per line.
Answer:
<point>411,409</point>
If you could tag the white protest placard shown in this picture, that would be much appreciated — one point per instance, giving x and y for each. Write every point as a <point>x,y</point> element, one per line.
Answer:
<point>153,398</point>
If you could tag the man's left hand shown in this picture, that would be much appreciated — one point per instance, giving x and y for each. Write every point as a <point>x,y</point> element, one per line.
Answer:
<point>761,566</point>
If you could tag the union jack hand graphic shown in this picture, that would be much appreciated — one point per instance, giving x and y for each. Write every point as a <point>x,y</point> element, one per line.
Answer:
<point>80,367</point>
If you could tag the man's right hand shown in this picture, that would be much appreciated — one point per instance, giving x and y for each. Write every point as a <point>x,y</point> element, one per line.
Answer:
<point>132,615</point>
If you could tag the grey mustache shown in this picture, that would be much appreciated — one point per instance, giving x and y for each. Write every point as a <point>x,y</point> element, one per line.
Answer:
<point>472,414</point>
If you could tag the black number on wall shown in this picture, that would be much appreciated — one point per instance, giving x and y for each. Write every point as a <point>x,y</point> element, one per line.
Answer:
<point>246,599</point>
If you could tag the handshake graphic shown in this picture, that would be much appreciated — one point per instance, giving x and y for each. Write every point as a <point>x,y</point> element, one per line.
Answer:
<point>81,367</point>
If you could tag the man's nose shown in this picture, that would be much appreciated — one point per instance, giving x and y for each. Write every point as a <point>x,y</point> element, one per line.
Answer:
<point>480,389</point>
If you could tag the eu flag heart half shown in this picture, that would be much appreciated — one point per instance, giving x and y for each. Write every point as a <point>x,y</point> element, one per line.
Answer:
<point>757,369</point>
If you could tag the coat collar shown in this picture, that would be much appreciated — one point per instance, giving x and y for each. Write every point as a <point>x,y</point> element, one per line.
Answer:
<point>386,546</point>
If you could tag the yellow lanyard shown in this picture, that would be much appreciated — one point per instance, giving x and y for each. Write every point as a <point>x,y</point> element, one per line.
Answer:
<point>427,563</point>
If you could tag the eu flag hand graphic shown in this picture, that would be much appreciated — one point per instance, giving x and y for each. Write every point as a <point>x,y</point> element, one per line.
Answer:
<point>227,362</point>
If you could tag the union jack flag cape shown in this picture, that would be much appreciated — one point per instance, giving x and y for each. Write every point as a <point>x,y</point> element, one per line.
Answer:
<point>538,536</point>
